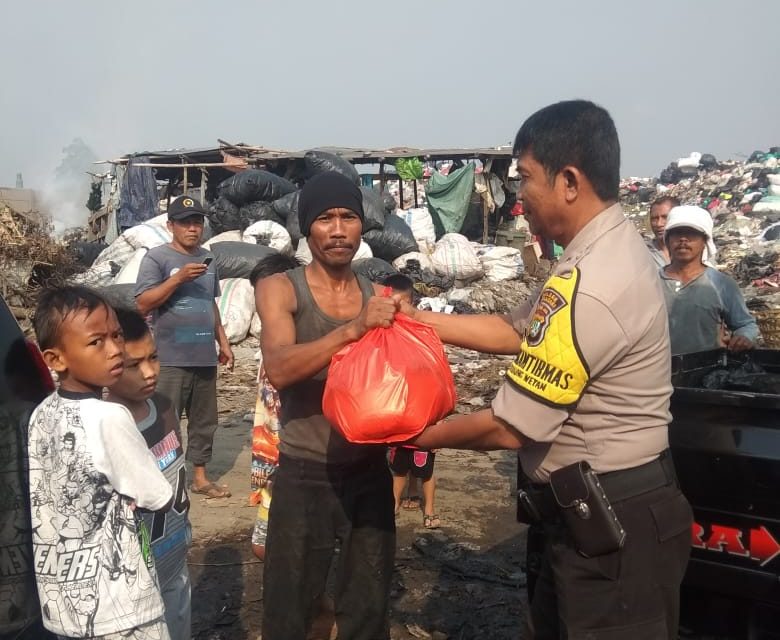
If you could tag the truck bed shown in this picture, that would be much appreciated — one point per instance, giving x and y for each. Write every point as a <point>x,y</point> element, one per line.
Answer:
<point>726,448</point>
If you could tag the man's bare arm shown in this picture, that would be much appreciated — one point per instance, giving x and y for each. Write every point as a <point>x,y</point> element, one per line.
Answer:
<point>156,297</point>
<point>480,431</point>
<point>286,362</point>
<point>225,352</point>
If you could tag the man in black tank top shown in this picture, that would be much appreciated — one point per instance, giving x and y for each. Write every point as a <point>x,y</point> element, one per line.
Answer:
<point>325,489</point>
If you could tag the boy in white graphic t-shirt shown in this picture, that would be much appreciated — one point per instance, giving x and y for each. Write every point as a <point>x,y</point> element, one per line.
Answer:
<point>89,469</point>
<point>170,532</point>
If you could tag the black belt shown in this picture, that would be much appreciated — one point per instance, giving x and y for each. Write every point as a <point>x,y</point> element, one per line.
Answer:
<point>618,485</point>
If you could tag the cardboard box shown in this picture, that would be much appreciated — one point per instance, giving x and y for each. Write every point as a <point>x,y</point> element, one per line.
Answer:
<point>531,255</point>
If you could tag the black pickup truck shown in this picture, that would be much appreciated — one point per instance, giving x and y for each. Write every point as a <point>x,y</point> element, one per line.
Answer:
<point>726,447</point>
<point>24,382</point>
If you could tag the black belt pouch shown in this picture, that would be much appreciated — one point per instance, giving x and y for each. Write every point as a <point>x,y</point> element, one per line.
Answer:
<point>586,511</point>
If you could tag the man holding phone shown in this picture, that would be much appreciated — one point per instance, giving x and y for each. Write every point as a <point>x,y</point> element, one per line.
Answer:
<point>178,284</point>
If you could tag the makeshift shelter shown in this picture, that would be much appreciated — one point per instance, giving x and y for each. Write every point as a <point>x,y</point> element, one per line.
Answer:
<point>199,171</point>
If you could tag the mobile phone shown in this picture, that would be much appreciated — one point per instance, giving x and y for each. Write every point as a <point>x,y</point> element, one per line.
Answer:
<point>207,260</point>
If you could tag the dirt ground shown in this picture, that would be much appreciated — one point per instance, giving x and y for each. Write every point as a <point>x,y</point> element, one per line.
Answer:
<point>465,580</point>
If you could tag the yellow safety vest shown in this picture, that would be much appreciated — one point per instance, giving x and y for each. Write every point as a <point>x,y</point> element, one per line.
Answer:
<point>550,367</point>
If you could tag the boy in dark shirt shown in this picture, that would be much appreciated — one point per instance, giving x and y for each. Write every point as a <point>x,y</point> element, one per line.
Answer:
<point>170,532</point>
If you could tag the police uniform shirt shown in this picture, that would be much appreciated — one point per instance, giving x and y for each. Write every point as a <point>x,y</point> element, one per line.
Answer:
<point>592,380</point>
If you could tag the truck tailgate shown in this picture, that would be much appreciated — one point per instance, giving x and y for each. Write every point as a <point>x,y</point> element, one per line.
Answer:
<point>726,448</point>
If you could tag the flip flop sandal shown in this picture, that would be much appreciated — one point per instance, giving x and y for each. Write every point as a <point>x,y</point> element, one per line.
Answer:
<point>431,521</point>
<point>211,490</point>
<point>411,503</point>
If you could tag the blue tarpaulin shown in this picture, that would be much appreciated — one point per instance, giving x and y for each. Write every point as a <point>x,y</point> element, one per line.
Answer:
<point>138,199</point>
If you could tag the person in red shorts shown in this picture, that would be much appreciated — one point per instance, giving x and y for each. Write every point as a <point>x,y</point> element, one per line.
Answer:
<point>409,463</point>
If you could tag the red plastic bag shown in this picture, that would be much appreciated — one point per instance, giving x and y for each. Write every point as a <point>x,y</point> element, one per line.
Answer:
<point>389,385</point>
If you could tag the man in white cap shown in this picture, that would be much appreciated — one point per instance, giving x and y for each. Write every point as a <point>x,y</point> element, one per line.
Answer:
<point>700,300</point>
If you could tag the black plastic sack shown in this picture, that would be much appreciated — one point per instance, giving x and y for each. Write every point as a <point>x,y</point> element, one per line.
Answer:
<point>224,216</point>
<point>708,161</point>
<point>390,204</point>
<point>395,239</point>
<point>237,259</point>
<point>254,184</point>
<point>120,296</point>
<point>293,227</point>
<point>670,175</point>
<point>252,212</point>
<point>322,161</point>
<point>375,269</point>
<point>85,253</point>
<point>286,205</point>
<point>426,282</point>
<point>772,234</point>
<point>373,208</point>
<point>645,194</point>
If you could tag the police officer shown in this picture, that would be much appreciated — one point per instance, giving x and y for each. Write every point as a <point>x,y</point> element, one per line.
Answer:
<point>590,384</point>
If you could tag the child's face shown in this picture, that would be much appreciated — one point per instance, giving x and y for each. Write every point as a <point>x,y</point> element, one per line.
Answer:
<point>90,350</point>
<point>142,368</point>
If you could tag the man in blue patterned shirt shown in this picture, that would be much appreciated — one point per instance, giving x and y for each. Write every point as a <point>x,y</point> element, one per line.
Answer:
<point>706,308</point>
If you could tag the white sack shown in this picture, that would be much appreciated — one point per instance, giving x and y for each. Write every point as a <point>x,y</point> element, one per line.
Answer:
<point>419,220</point>
<point>225,236</point>
<point>501,263</point>
<point>269,234</point>
<point>255,327</point>
<point>236,306</point>
<point>129,273</point>
<point>454,256</point>
<point>423,258</point>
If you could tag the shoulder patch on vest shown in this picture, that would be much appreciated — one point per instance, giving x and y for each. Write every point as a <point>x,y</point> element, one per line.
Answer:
<point>550,302</point>
<point>550,367</point>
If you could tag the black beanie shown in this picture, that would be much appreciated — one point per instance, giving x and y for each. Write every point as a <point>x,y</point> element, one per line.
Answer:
<point>329,190</point>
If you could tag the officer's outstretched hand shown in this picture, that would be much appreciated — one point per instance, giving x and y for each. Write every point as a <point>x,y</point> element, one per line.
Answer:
<point>404,307</point>
<point>379,312</point>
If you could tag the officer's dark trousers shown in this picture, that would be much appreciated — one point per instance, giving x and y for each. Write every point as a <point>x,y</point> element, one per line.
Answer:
<point>630,594</point>
<point>314,505</point>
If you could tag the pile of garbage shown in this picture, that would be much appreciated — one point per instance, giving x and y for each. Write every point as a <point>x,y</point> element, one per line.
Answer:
<point>256,214</point>
<point>744,200</point>
<point>30,256</point>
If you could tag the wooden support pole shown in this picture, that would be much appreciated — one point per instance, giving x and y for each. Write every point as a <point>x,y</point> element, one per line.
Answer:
<point>203,179</point>
<point>186,181</point>
<point>401,192</point>
<point>485,218</point>
<point>382,177</point>
<point>416,202</point>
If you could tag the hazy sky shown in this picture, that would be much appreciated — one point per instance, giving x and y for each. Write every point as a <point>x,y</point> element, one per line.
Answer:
<point>677,76</point>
